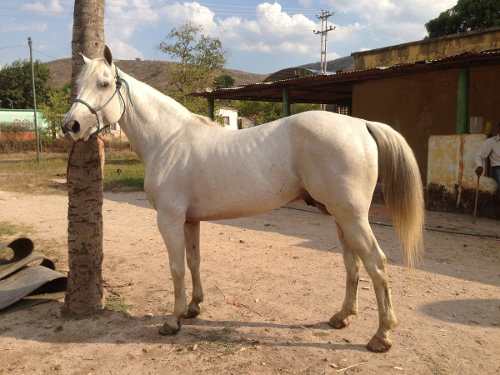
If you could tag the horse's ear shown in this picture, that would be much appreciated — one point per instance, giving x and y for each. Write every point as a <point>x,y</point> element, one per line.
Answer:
<point>108,56</point>
<point>86,60</point>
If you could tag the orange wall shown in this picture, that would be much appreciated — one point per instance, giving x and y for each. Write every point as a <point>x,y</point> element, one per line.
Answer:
<point>417,105</point>
<point>485,93</point>
<point>17,136</point>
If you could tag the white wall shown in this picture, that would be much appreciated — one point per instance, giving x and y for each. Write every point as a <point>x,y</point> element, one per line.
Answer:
<point>230,116</point>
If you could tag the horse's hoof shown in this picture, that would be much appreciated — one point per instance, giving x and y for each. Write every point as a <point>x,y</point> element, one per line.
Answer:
<point>338,323</point>
<point>379,345</point>
<point>171,326</point>
<point>193,311</point>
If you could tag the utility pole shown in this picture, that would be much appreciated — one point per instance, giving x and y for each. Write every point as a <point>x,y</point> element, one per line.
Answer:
<point>325,29</point>
<point>37,137</point>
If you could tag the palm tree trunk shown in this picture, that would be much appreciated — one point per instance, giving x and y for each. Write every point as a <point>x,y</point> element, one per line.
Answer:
<point>85,233</point>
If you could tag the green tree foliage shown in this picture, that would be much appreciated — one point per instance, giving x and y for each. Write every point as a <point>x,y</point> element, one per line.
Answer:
<point>467,15</point>
<point>15,84</point>
<point>224,81</point>
<point>200,59</point>
<point>58,103</point>
<point>262,112</point>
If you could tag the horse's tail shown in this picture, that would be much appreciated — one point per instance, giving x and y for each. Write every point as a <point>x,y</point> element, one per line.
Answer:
<point>402,187</point>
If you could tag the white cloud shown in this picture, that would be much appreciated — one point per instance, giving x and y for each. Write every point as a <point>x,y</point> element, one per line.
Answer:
<point>123,50</point>
<point>272,31</point>
<point>194,13</point>
<point>123,17</point>
<point>34,27</point>
<point>393,21</point>
<point>272,19</point>
<point>48,6</point>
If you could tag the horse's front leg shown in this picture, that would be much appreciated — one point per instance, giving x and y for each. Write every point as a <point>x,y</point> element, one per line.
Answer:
<point>172,230</point>
<point>192,238</point>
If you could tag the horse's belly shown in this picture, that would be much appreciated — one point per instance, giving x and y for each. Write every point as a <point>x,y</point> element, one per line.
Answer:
<point>231,205</point>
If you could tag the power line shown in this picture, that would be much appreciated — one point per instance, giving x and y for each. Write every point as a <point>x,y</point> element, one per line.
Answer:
<point>45,54</point>
<point>325,29</point>
<point>237,9</point>
<point>13,46</point>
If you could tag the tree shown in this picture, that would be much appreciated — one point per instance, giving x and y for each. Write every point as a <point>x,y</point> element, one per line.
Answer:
<point>467,15</point>
<point>15,84</point>
<point>200,58</point>
<point>58,103</point>
<point>224,81</point>
<point>262,112</point>
<point>85,232</point>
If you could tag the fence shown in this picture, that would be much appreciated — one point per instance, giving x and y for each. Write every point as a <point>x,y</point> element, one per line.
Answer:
<point>59,145</point>
<point>19,136</point>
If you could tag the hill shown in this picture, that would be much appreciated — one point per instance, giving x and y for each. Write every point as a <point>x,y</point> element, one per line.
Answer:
<point>154,73</point>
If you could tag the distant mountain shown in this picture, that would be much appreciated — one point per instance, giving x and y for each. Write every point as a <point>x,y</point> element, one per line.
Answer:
<point>342,63</point>
<point>154,73</point>
<point>333,66</point>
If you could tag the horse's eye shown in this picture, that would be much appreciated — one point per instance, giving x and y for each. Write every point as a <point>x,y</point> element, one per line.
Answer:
<point>104,83</point>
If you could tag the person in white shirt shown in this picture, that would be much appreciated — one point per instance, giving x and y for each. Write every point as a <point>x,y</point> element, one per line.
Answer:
<point>490,149</point>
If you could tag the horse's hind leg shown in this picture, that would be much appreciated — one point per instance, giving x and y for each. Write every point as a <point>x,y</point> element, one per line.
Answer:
<point>359,238</point>
<point>350,305</point>
<point>172,230</point>
<point>192,237</point>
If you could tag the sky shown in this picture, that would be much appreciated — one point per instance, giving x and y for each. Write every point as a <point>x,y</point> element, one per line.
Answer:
<point>258,36</point>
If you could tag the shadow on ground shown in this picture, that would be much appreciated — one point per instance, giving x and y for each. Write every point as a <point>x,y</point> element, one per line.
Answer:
<point>40,321</point>
<point>458,256</point>
<point>473,312</point>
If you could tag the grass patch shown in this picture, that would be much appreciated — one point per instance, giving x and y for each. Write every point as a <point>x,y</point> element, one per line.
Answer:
<point>115,302</point>
<point>123,171</point>
<point>9,230</point>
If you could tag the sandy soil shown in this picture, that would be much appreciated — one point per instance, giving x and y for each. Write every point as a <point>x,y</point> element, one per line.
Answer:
<point>271,282</point>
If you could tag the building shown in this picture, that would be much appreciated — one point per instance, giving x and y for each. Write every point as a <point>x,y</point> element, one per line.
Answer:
<point>422,89</point>
<point>22,117</point>
<point>228,118</point>
<point>18,124</point>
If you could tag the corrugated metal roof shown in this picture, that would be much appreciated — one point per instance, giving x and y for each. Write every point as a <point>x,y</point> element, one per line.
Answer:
<point>340,82</point>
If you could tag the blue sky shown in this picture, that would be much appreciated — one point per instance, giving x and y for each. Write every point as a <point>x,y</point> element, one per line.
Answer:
<point>258,36</point>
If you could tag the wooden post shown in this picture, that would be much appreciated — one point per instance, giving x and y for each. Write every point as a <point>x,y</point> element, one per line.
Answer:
<point>35,120</point>
<point>463,102</point>
<point>286,103</point>
<point>211,107</point>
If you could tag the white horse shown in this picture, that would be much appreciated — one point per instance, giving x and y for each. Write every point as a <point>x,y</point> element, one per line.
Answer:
<point>195,172</point>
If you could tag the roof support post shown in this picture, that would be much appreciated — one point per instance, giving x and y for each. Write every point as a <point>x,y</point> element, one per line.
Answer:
<point>211,107</point>
<point>286,103</point>
<point>463,102</point>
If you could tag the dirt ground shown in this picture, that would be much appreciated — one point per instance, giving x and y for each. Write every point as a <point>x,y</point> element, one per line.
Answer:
<point>271,283</point>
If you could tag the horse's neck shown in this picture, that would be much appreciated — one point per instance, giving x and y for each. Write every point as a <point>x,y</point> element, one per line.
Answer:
<point>150,117</point>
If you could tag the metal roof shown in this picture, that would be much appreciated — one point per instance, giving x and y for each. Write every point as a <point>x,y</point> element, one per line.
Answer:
<point>337,88</point>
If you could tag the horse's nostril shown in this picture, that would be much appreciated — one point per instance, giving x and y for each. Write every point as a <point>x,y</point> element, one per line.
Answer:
<point>64,129</point>
<point>76,127</point>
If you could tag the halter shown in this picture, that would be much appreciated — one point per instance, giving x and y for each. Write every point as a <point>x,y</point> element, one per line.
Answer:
<point>118,83</point>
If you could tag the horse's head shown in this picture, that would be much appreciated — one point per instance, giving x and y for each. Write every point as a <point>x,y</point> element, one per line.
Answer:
<point>99,101</point>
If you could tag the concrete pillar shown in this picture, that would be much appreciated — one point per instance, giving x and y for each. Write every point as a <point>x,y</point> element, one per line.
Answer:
<point>463,102</point>
<point>286,103</point>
